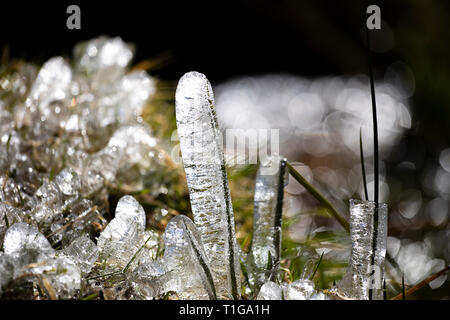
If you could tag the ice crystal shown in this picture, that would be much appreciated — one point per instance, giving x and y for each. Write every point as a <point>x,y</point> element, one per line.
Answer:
<point>122,236</point>
<point>358,280</point>
<point>28,256</point>
<point>83,252</point>
<point>67,137</point>
<point>298,290</point>
<point>185,257</point>
<point>270,291</point>
<point>204,165</point>
<point>264,256</point>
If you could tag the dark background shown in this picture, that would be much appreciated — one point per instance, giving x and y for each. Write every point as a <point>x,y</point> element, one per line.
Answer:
<point>233,37</point>
<point>225,39</point>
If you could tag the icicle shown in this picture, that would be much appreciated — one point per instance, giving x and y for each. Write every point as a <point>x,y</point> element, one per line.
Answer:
<point>201,148</point>
<point>264,256</point>
<point>380,252</point>
<point>270,291</point>
<point>184,253</point>
<point>355,283</point>
<point>123,236</point>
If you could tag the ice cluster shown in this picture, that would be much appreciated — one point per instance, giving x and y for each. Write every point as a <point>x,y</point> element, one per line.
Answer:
<point>69,135</point>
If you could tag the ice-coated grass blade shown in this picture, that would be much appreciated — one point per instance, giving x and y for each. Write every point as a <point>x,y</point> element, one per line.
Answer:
<point>204,164</point>
<point>209,285</point>
<point>264,255</point>
<point>316,194</point>
<point>279,211</point>
<point>375,153</point>
<point>363,167</point>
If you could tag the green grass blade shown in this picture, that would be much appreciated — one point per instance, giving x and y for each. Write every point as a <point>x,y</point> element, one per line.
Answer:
<point>211,288</point>
<point>316,194</point>
<point>317,267</point>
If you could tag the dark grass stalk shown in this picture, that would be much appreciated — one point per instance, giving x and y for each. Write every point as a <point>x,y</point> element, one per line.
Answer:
<point>317,267</point>
<point>402,296</point>
<point>316,194</point>
<point>211,289</point>
<point>375,153</point>
<point>384,290</point>
<point>279,212</point>
<point>363,167</point>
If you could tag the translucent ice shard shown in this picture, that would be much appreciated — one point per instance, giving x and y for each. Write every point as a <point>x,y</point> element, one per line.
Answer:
<point>6,270</point>
<point>60,277</point>
<point>51,84</point>
<point>103,59</point>
<point>83,252</point>
<point>8,216</point>
<point>185,256</point>
<point>201,149</point>
<point>264,256</point>
<point>122,236</point>
<point>299,290</point>
<point>134,143</point>
<point>68,182</point>
<point>25,244</point>
<point>123,102</point>
<point>152,279</point>
<point>270,291</point>
<point>380,252</point>
<point>355,283</point>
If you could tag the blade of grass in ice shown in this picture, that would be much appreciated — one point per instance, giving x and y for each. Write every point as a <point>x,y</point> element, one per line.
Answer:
<point>375,153</point>
<point>204,164</point>
<point>316,194</point>
<point>210,287</point>
<point>264,256</point>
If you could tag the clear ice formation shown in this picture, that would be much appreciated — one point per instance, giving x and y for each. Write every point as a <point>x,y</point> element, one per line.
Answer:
<point>123,236</point>
<point>380,250</point>
<point>28,256</point>
<point>67,137</point>
<point>298,290</point>
<point>357,280</point>
<point>83,252</point>
<point>204,164</point>
<point>270,291</point>
<point>267,216</point>
<point>185,257</point>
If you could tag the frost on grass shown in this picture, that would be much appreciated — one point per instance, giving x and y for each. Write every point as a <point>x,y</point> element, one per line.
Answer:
<point>68,136</point>
<point>207,181</point>
<point>29,259</point>
<point>301,289</point>
<point>264,255</point>
<point>358,280</point>
<point>185,257</point>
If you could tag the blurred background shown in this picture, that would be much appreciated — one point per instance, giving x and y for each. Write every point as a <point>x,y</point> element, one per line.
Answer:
<point>300,67</point>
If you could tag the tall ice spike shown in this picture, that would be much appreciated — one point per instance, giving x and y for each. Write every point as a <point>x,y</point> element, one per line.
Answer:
<point>264,256</point>
<point>204,164</point>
